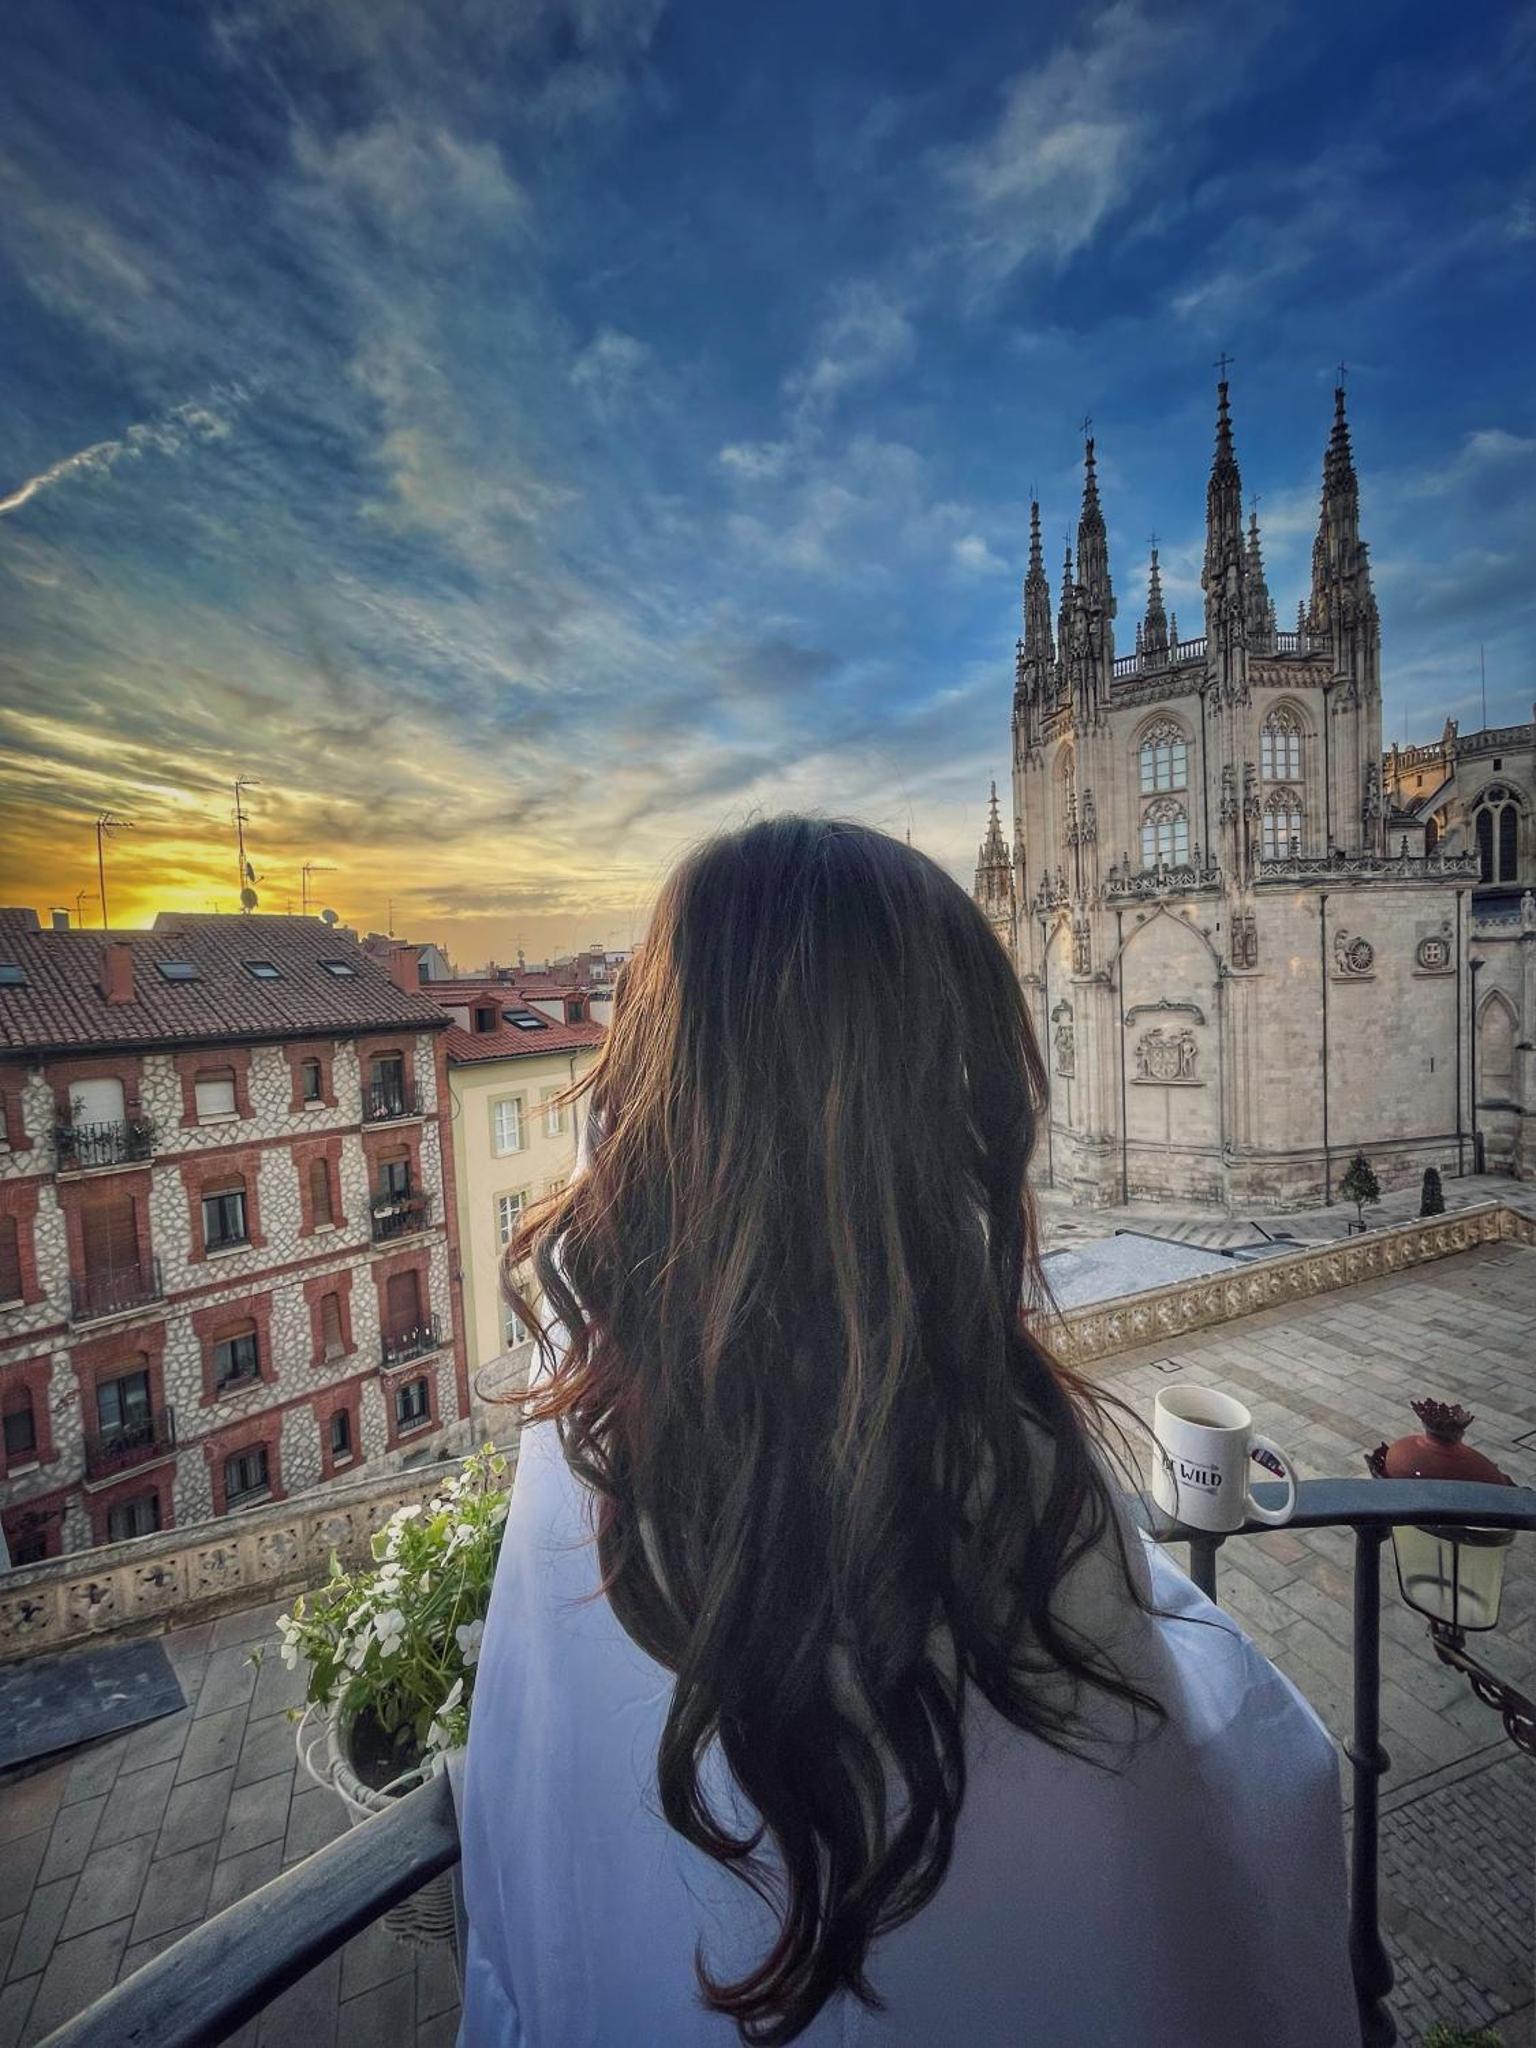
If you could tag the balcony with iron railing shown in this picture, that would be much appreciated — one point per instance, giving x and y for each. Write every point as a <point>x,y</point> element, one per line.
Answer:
<point>396,1216</point>
<point>90,1147</point>
<point>118,1290</point>
<point>399,1347</point>
<point>211,1982</point>
<point>110,1451</point>
<point>389,1100</point>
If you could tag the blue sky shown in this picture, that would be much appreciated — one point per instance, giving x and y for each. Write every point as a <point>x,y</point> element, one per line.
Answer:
<point>524,437</point>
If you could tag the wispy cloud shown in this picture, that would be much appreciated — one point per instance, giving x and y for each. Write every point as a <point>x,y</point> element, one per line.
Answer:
<point>184,426</point>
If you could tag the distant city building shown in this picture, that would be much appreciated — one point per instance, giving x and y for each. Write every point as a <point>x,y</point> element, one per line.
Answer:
<point>512,1054</point>
<point>1248,949</point>
<point>432,963</point>
<point>226,1259</point>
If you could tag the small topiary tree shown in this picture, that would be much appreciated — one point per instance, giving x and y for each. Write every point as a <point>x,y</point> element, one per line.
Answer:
<point>1432,1196</point>
<point>1360,1185</point>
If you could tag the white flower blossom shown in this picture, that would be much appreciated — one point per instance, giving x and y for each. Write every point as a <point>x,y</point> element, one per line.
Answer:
<point>468,1635</point>
<point>390,1627</point>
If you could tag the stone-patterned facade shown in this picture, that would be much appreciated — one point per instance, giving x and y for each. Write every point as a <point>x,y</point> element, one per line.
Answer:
<point>1244,961</point>
<point>262,1298</point>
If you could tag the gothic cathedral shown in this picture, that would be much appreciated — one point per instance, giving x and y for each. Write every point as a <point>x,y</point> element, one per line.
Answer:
<point>1247,953</point>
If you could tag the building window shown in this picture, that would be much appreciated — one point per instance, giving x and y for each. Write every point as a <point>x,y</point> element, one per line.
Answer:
<point>513,1329</point>
<point>1280,747</point>
<point>10,1259</point>
<point>311,1082</point>
<point>262,970</point>
<point>343,970</point>
<point>554,1113</point>
<point>507,1124</point>
<point>394,1182</point>
<point>1164,836</point>
<point>341,1435</point>
<point>413,1405</point>
<point>1497,820</point>
<point>1280,832</point>
<point>1164,759</point>
<point>332,1342</point>
<point>178,970</point>
<point>509,1216</point>
<point>30,1543</point>
<point>320,1193</point>
<point>224,1219</point>
<point>386,1085</point>
<point>122,1405</point>
<point>237,1356</point>
<point>215,1095</point>
<point>245,1475</point>
<point>20,1427</point>
<point>137,1517</point>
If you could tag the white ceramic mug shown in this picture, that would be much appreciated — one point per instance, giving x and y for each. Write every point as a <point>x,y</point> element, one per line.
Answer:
<point>1200,1475</point>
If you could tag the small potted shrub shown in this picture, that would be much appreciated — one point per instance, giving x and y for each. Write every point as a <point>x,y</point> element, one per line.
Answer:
<point>1431,1195</point>
<point>1360,1186</point>
<point>392,1651</point>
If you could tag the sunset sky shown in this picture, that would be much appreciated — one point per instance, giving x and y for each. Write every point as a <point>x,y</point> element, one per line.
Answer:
<point>523,437</point>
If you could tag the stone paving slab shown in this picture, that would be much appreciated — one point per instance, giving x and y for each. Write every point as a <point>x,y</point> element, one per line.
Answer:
<point>107,1857</point>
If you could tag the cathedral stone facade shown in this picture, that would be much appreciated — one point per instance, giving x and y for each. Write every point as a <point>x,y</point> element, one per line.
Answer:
<point>1251,947</point>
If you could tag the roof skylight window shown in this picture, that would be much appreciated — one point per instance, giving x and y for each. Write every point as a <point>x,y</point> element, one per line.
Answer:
<point>342,969</point>
<point>263,970</point>
<point>12,976</point>
<point>178,970</point>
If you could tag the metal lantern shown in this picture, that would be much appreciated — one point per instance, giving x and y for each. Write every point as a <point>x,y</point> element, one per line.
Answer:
<point>1452,1576</point>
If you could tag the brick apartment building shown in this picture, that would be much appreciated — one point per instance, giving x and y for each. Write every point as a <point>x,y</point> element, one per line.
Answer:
<point>228,1234</point>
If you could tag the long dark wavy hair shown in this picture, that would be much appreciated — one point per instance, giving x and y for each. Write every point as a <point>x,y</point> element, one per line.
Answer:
<point>838,1480</point>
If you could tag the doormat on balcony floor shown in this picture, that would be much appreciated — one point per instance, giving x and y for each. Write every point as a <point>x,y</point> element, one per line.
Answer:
<point>54,1703</point>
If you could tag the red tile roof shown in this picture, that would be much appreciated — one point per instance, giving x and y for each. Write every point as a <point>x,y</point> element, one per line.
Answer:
<point>508,1043</point>
<point>61,1008</point>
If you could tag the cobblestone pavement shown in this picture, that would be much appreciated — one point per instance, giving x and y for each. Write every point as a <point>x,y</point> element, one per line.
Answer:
<point>109,1856</point>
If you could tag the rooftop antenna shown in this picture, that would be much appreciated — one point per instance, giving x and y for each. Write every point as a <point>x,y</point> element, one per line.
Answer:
<point>389,919</point>
<point>310,867</point>
<point>82,897</point>
<point>106,825</point>
<point>1482,663</point>
<point>247,874</point>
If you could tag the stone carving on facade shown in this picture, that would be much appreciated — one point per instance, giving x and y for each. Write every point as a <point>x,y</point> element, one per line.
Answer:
<point>1435,953</point>
<point>1066,1055</point>
<point>1164,1007</point>
<point>1165,1057</point>
<point>1370,806</point>
<point>1244,939</point>
<point>1228,793</point>
<point>1528,912</point>
<point>1090,824</point>
<point>1139,883</point>
<point>1366,867</point>
<point>1250,793</point>
<point>1353,958</point>
<point>1082,946</point>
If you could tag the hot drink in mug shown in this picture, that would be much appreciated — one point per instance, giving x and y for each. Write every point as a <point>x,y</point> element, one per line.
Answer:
<point>1200,1476</point>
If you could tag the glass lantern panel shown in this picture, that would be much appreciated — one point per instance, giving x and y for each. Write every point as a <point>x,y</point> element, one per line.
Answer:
<point>1454,1576</point>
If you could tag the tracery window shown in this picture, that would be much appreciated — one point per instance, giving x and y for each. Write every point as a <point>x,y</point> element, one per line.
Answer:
<point>1281,825</point>
<point>1164,758</point>
<point>1280,746</point>
<point>1165,835</point>
<point>1497,823</point>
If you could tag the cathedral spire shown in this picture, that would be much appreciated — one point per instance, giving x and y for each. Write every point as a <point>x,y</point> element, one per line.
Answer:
<point>1338,555</point>
<point>1093,541</point>
<point>1260,611</point>
<point>1038,647</point>
<point>994,888</point>
<point>1064,608</point>
<point>1224,574</point>
<point>1154,630</point>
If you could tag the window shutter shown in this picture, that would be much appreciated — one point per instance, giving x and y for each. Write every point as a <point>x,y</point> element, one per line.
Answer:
<point>331,1345</point>
<point>320,1191</point>
<point>20,1426</point>
<point>10,1259</point>
<point>402,1299</point>
<point>215,1095</point>
<point>109,1236</point>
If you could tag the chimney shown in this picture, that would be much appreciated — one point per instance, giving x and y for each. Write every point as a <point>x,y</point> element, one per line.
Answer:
<point>405,970</point>
<point>117,972</point>
<point>60,919</point>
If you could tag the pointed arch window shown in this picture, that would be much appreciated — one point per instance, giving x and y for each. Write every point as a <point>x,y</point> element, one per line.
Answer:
<point>1280,746</point>
<point>1165,835</point>
<point>1281,825</point>
<point>1497,823</point>
<point>1163,758</point>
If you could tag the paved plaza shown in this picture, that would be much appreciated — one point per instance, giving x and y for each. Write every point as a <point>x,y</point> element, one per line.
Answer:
<point>107,1857</point>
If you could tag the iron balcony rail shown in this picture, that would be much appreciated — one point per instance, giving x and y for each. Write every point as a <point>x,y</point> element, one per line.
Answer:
<point>385,1100</point>
<point>131,1443</point>
<point>399,1347</point>
<point>115,1291</point>
<point>214,1979</point>
<point>400,1216</point>
<point>79,1147</point>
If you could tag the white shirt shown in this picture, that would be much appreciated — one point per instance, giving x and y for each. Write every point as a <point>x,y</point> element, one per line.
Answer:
<point>1193,1898</point>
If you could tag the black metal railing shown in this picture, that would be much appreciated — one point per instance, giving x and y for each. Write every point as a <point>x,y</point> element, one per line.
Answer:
<point>79,1147</point>
<point>131,1443</point>
<point>214,1979</point>
<point>115,1291</point>
<point>383,1100</point>
<point>400,1216</point>
<point>399,1347</point>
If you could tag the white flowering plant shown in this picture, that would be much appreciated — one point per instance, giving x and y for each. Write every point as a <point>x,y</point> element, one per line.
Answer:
<point>392,1649</point>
